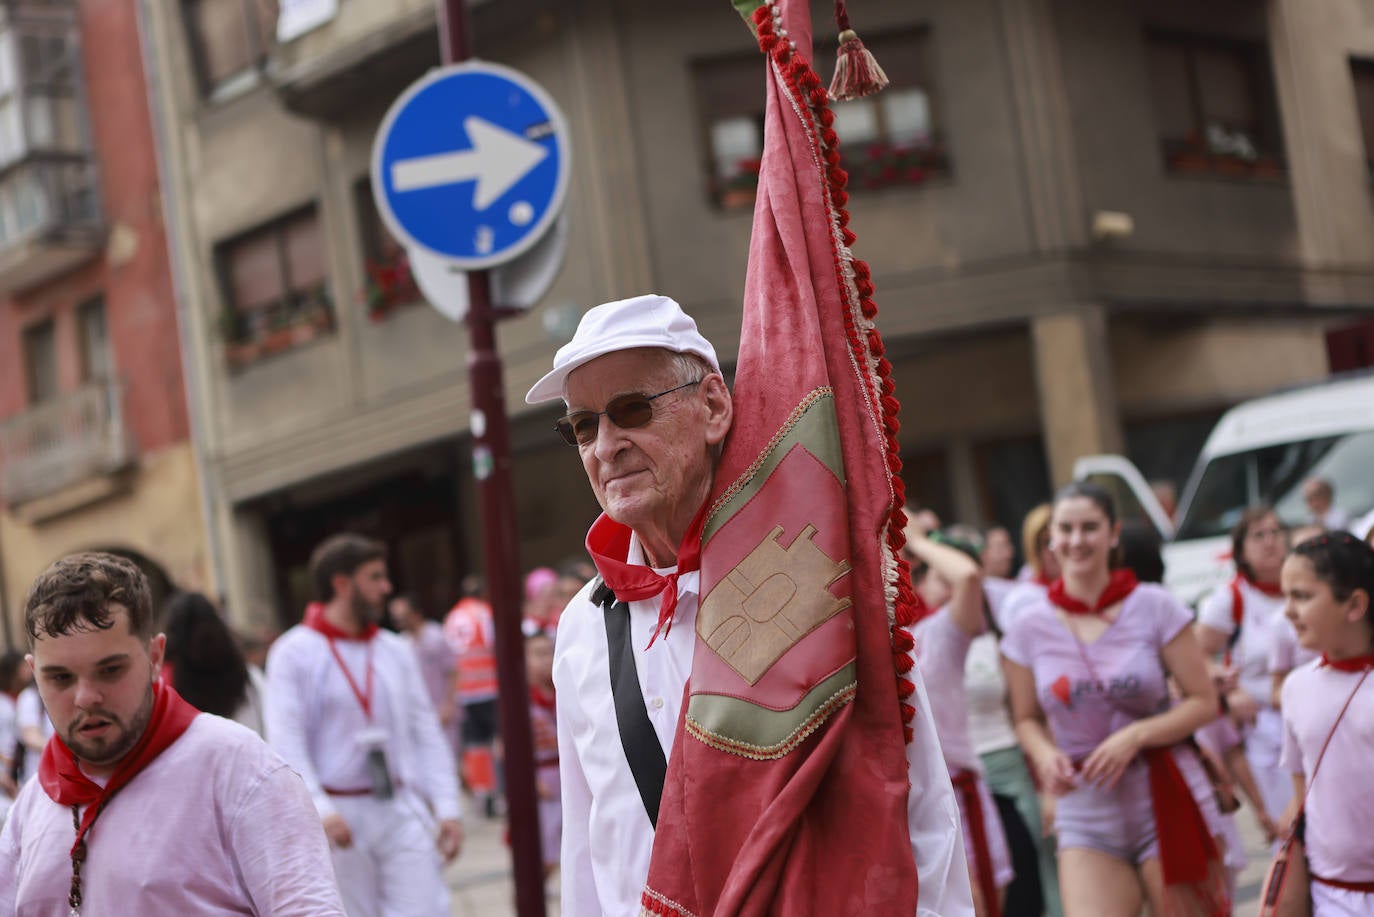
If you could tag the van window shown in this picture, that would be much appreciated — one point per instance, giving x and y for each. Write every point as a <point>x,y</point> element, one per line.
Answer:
<point>1274,475</point>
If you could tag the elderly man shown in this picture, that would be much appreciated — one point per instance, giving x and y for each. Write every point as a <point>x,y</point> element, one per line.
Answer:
<point>142,805</point>
<point>1320,498</point>
<point>649,412</point>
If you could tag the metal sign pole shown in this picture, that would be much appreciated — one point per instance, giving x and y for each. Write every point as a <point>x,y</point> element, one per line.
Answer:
<point>492,468</point>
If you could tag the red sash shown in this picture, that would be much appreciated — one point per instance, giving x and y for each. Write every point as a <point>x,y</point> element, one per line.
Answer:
<point>966,785</point>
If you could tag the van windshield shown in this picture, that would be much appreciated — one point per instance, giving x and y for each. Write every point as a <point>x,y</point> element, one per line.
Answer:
<point>1274,475</point>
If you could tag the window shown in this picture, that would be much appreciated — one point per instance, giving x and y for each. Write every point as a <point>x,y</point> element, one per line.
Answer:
<point>390,284</point>
<point>1215,105</point>
<point>96,363</point>
<point>891,138</point>
<point>231,40</point>
<point>275,288</point>
<point>40,361</point>
<point>1362,72</point>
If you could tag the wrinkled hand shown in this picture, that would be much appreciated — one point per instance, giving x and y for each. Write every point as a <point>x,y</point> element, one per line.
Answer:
<point>1056,774</point>
<point>1109,760</point>
<point>450,839</point>
<point>336,829</point>
<point>1244,708</point>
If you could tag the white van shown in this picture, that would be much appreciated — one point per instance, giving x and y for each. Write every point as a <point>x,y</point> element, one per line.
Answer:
<point>1260,451</point>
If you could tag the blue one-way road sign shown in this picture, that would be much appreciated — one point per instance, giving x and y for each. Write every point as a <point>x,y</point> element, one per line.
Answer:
<point>471,164</point>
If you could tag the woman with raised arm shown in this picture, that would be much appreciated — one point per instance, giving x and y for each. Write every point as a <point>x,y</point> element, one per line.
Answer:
<point>950,582</point>
<point>1087,671</point>
<point>1241,620</point>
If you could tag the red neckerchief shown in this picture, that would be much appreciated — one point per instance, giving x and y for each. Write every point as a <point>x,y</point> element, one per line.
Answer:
<point>1042,580</point>
<point>315,620</point>
<point>1353,664</point>
<point>1121,584</point>
<point>1273,590</point>
<point>60,775</point>
<point>541,698</point>
<point>608,542</point>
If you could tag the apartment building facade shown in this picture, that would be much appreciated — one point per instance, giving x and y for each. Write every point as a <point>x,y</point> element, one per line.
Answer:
<point>1093,227</point>
<point>95,444</point>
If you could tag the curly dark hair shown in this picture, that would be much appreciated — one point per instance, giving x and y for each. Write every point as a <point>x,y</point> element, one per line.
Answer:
<point>76,593</point>
<point>208,668</point>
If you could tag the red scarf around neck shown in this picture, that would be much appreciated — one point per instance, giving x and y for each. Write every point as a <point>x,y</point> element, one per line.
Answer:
<point>1353,664</point>
<point>1273,590</point>
<point>1121,584</point>
<point>315,620</point>
<point>60,774</point>
<point>542,697</point>
<point>608,542</point>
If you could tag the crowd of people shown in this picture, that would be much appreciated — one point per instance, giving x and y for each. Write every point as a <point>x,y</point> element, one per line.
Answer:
<point>1081,738</point>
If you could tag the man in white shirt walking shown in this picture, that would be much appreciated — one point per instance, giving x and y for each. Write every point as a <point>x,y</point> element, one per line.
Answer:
<point>348,710</point>
<point>142,804</point>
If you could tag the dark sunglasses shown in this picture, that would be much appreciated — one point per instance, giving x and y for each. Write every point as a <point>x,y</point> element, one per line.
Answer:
<point>625,411</point>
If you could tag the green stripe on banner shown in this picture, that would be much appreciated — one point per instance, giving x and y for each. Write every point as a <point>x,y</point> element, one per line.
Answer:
<point>811,426</point>
<point>746,9</point>
<point>758,732</point>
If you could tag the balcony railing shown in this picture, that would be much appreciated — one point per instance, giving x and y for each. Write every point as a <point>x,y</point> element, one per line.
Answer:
<point>63,442</point>
<point>50,220</point>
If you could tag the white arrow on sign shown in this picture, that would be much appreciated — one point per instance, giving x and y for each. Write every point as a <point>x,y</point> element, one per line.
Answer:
<point>498,159</point>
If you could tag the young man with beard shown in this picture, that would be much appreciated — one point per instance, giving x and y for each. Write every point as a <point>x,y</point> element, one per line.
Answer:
<point>143,805</point>
<point>346,707</point>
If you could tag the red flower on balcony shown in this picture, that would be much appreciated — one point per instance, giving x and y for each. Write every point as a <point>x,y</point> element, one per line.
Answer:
<point>390,284</point>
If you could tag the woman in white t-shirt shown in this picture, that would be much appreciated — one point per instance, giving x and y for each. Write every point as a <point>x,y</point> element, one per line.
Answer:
<point>1240,620</point>
<point>949,582</point>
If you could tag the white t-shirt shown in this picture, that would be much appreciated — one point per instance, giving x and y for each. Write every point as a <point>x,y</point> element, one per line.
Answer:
<point>216,824</point>
<point>315,721</point>
<point>942,648</point>
<point>1340,804</point>
<point>607,837</point>
<point>29,712</point>
<point>1261,616</point>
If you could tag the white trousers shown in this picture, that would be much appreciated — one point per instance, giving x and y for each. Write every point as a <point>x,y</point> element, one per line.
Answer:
<point>1263,743</point>
<point>1340,902</point>
<point>393,868</point>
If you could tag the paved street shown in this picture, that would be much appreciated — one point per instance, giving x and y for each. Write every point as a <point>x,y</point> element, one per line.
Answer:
<point>482,887</point>
<point>481,877</point>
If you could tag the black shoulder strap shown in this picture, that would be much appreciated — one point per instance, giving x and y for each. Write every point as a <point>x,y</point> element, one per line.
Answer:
<point>642,750</point>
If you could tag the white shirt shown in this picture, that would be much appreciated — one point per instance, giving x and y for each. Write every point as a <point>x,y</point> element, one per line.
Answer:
<point>9,729</point>
<point>216,824</point>
<point>314,719</point>
<point>29,711</point>
<point>989,718</point>
<point>607,836</point>
<point>1335,519</point>
<point>1261,617</point>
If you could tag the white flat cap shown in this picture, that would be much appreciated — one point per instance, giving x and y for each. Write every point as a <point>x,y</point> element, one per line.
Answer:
<point>644,321</point>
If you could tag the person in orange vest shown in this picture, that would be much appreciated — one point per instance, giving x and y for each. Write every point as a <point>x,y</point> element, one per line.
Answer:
<point>470,631</point>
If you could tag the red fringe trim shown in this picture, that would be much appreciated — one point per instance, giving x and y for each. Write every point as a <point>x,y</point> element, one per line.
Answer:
<point>806,88</point>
